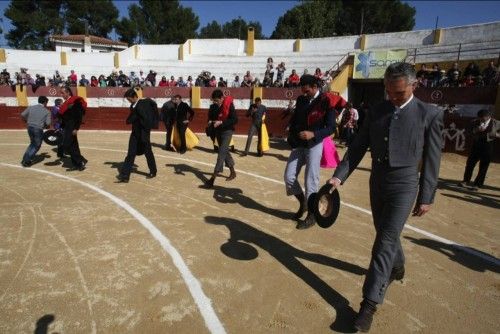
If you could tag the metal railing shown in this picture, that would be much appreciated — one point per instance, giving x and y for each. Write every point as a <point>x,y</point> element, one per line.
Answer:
<point>460,50</point>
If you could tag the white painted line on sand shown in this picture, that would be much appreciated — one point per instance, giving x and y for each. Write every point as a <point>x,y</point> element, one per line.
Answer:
<point>485,257</point>
<point>204,303</point>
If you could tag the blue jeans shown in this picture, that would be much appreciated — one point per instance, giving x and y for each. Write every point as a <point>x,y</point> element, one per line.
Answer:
<point>36,137</point>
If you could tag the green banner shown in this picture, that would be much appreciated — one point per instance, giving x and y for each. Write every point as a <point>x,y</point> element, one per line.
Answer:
<point>372,64</point>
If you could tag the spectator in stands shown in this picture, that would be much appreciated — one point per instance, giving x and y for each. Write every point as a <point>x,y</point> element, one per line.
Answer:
<point>57,79</point>
<point>73,78</point>
<point>469,81</point>
<point>40,80</point>
<point>189,82</point>
<point>132,76</point>
<point>83,81</point>
<point>93,81</point>
<point>151,79</point>
<point>472,69</point>
<point>111,80</point>
<point>163,82</point>
<point>181,82</point>
<point>142,78</point>
<point>422,76</point>
<point>490,74</point>
<point>451,75</point>
<point>172,82</point>
<point>306,72</point>
<point>349,123</point>
<point>267,82</point>
<point>221,82</point>
<point>212,82</point>
<point>37,118</point>
<point>270,69</point>
<point>281,71</point>
<point>278,83</point>
<point>435,76</point>
<point>293,79</point>
<point>236,82</point>
<point>102,81</point>
<point>247,80</point>
<point>485,130</point>
<point>5,77</point>
<point>318,74</point>
<point>479,82</point>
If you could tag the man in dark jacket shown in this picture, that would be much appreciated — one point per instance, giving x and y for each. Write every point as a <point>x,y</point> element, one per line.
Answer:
<point>312,121</point>
<point>168,116</point>
<point>143,117</point>
<point>400,132</point>
<point>184,115</point>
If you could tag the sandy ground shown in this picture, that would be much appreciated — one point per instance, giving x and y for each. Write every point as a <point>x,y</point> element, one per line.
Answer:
<point>74,261</point>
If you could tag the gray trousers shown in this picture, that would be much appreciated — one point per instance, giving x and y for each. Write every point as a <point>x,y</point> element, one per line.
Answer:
<point>392,195</point>
<point>311,158</point>
<point>223,155</point>
<point>254,129</point>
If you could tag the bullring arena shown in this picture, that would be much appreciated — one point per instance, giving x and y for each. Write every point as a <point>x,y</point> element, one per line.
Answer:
<point>80,253</point>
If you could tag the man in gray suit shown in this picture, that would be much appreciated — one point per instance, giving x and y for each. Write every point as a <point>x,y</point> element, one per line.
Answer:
<point>37,118</point>
<point>401,133</point>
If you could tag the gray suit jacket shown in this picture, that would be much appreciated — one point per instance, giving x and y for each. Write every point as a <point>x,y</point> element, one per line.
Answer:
<point>404,139</point>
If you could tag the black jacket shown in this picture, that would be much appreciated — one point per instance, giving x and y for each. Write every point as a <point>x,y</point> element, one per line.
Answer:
<point>144,115</point>
<point>73,117</point>
<point>230,121</point>
<point>183,113</point>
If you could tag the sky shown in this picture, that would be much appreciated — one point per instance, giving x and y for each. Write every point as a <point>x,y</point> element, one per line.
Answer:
<point>451,13</point>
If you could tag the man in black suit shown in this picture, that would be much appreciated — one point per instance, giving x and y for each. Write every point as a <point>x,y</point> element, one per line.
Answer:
<point>184,115</point>
<point>168,118</point>
<point>401,133</point>
<point>143,117</point>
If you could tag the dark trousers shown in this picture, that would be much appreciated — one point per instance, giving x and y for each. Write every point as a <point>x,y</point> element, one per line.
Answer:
<point>223,155</point>
<point>348,135</point>
<point>481,151</point>
<point>36,137</point>
<point>254,128</point>
<point>139,141</point>
<point>182,135</point>
<point>392,195</point>
<point>71,147</point>
<point>169,126</point>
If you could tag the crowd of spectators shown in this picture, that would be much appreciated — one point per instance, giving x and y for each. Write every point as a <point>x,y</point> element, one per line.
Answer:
<point>274,76</point>
<point>472,76</point>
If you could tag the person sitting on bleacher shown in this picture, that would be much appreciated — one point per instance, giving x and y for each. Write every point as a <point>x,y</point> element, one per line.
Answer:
<point>472,69</point>
<point>490,74</point>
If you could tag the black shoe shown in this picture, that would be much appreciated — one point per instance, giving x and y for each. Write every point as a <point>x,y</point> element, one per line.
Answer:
<point>82,167</point>
<point>364,319</point>
<point>397,274</point>
<point>182,151</point>
<point>260,154</point>
<point>306,223</point>
<point>122,179</point>
<point>232,175</point>
<point>26,163</point>
<point>151,175</point>
<point>244,154</point>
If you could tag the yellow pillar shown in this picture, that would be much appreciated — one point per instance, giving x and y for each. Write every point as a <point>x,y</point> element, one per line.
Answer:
<point>438,34</point>
<point>190,51</point>
<point>139,92</point>
<point>297,45</point>
<point>180,53</point>
<point>64,58</point>
<point>250,41</point>
<point>117,60</point>
<point>3,57</point>
<point>256,92</point>
<point>195,97</point>
<point>362,43</point>
<point>82,92</point>
<point>22,95</point>
<point>339,83</point>
<point>136,51</point>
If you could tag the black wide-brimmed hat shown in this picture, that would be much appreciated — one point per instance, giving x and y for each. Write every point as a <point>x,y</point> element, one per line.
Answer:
<point>325,206</point>
<point>52,137</point>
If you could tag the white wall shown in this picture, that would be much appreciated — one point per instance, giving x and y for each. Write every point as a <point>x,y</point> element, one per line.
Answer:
<point>278,46</point>
<point>400,40</point>
<point>25,58</point>
<point>163,52</point>
<point>77,59</point>
<point>472,33</point>
<point>341,44</point>
<point>229,47</point>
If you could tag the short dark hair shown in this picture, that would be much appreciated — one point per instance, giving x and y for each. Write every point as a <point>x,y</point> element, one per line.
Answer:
<point>68,89</point>
<point>217,94</point>
<point>258,99</point>
<point>43,99</point>
<point>58,101</point>
<point>483,113</point>
<point>400,70</point>
<point>130,93</point>
<point>309,80</point>
<point>178,96</point>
